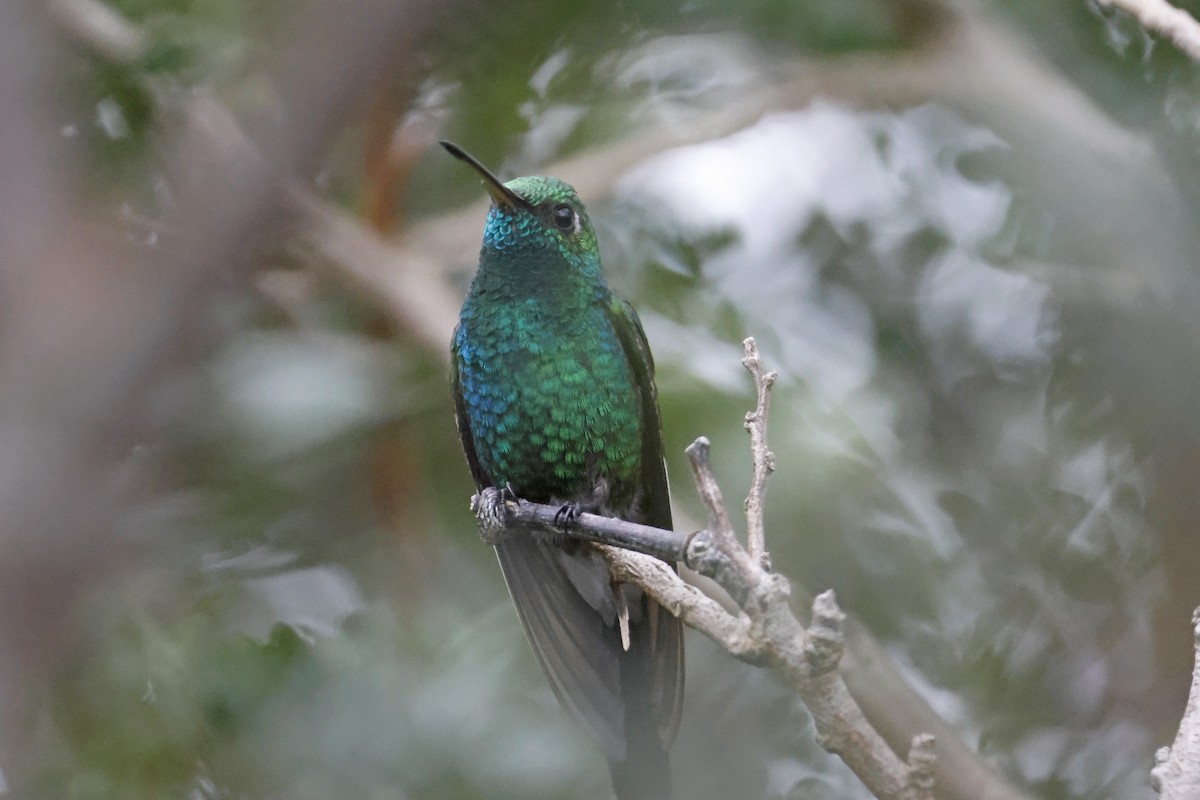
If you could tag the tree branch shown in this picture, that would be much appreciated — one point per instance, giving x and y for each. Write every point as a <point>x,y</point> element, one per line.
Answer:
<point>1160,17</point>
<point>664,544</point>
<point>921,762</point>
<point>78,374</point>
<point>1176,775</point>
<point>765,632</point>
<point>100,27</point>
<point>764,459</point>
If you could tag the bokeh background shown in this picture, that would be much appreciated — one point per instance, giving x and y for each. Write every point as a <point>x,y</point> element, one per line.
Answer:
<point>236,558</point>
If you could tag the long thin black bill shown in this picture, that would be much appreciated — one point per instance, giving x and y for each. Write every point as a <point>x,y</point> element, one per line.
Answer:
<point>500,193</point>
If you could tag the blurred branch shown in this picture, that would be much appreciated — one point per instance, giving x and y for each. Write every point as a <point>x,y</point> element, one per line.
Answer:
<point>1160,17</point>
<point>101,28</point>
<point>971,62</point>
<point>966,59</point>
<point>766,632</point>
<point>323,236</point>
<point>1176,775</point>
<point>409,283</point>
<point>392,149</point>
<point>90,321</point>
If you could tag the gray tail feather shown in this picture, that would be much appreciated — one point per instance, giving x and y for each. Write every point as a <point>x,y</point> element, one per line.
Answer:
<point>645,771</point>
<point>629,699</point>
<point>644,776</point>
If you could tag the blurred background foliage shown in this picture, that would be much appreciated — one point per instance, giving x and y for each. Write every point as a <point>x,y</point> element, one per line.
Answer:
<point>978,285</point>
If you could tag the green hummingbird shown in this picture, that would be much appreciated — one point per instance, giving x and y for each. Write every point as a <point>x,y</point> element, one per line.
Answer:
<point>555,402</point>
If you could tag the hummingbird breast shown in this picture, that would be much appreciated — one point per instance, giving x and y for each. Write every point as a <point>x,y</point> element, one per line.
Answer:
<point>549,396</point>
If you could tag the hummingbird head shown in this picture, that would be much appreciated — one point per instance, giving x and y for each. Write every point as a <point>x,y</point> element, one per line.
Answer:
<point>533,213</point>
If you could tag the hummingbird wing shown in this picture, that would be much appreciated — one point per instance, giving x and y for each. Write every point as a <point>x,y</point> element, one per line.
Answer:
<point>463,421</point>
<point>654,503</point>
<point>654,507</point>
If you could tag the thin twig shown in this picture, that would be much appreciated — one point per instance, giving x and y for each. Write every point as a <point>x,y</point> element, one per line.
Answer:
<point>710,493</point>
<point>1160,17</point>
<point>716,552</point>
<point>764,459</point>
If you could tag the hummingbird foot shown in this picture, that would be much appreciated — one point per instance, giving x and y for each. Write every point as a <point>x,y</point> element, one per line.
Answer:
<point>567,514</point>
<point>593,502</point>
<point>490,507</point>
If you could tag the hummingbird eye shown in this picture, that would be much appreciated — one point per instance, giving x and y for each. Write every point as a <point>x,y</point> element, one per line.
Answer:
<point>564,217</point>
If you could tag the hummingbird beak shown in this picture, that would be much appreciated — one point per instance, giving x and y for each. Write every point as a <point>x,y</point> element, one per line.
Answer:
<point>503,196</point>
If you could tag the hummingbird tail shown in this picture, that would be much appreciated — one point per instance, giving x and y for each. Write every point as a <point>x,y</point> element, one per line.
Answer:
<point>644,773</point>
<point>627,696</point>
<point>642,776</point>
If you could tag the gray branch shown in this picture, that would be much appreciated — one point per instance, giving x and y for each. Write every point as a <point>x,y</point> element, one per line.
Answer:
<point>67,471</point>
<point>664,544</point>
<point>1163,19</point>
<point>764,459</point>
<point>1176,775</point>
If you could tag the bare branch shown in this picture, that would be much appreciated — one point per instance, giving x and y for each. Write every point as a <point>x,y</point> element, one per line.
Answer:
<point>685,601</point>
<point>77,374</point>
<point>921,762</point>
<point>663,544</point>
<point>710,492</point>
<point>825,643</point>
<point>1160,17</point>
<point>408,283</point>
<point>764,459</point>
<point>1176,775</point>
<point>717,552</point>
<point>101,28</point>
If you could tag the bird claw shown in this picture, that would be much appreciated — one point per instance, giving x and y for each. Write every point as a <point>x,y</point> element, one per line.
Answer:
<point>490,507</point>
<point>567,514</point>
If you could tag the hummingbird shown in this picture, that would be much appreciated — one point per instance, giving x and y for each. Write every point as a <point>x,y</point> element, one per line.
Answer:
<point>555,403</point>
